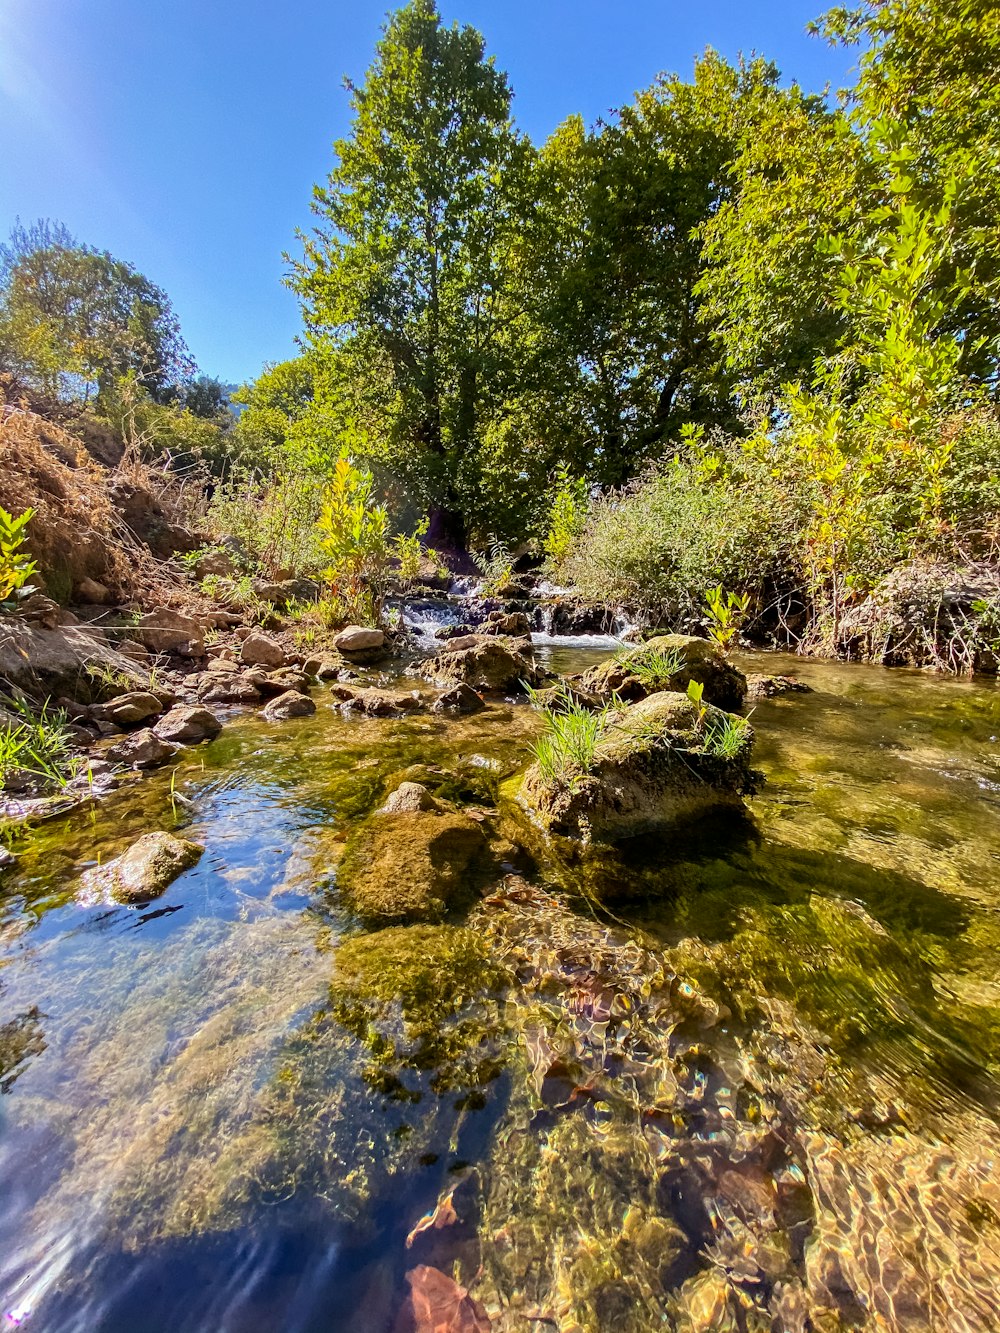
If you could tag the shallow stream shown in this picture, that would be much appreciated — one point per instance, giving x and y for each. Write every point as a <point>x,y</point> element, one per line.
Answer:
<point>764,1095</point>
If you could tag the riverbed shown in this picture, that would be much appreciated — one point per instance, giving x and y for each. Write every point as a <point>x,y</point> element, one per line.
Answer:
<point>757,1090</point>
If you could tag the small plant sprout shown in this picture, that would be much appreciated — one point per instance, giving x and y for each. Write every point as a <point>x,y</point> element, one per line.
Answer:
<point>16,567</point>
<point>726,611</point>
<point>696,692</point>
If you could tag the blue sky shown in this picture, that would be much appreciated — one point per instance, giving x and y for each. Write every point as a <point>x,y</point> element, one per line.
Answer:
<point>185,135</point>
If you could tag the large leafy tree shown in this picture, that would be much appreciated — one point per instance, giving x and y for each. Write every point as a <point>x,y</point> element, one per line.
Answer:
<point>74,319</point>
<point>404,282</point>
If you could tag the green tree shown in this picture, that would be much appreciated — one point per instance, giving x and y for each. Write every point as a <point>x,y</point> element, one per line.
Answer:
<point>403,281</point>
<point>74,319</point>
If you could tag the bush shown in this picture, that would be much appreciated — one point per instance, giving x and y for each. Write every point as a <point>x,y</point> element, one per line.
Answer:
<point>710,516</point>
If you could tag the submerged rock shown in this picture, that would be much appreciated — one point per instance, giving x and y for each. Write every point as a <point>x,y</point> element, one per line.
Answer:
<point>410,865</point>
<point>485,663</point>
<point>187,725</point>
<point>409,798</point>
<point>668,662</point>
<point>661,762</point>
<point>462,699</point>
<point>376,703</point>
<point>288,705</point>
<point>766,687</point>
<point>143,872</point>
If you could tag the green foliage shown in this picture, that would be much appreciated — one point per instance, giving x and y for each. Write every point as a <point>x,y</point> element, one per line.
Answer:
<point>725,611</point>
<point>725,735</point>
<point>715,514</point>
<point>410,551</point>
<point>272,517</point>
<point>73,319</point>
<point>16,566</point>
<point>497,568</point>
<point>696,693</point>
<point>653,666</point>
<point>566,517</point>
<point>34,746</point>
<point>355,542</point>
<point>401,282</point>
<point>566,750</point>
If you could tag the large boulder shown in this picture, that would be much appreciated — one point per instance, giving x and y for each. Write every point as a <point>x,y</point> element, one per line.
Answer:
<point>487,664</point>
<point>143,872</point>
<point>462,699</point>
<point>661,762</point>
<point>187,725</point>
<point>60,661</point>
<point>668,662</point>
<point>410,864</point>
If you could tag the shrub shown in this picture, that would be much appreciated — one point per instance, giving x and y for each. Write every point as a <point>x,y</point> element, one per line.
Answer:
<point>566,518</point>
<point>16,566</point>
<point>707,517</point>
<point>353,534</point>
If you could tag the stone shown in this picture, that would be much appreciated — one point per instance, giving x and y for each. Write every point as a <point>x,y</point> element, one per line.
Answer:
<point>167,631</point>
<point>128,710</point>
<point>486,664</point>
<point>641,671</point>
<point>287,705</point>
<point>142,873</point>
<point>6,858</point>
<point>223,687</point>
<point>514,623</point>
<point>766,687</point>
<point>143,749</point>
<point>658,766</point>
<point>277,682</point>
<point>40,610</point>
<point>462,699</point>
<point>188,724</point>
<point>409,798</point>
<point>358,639</point>
<point>89,590</point>
<point>219,563</point>
<point>376,703</point>
<point>410,866</point>
<point>132,650</point>
<point>261,650</point>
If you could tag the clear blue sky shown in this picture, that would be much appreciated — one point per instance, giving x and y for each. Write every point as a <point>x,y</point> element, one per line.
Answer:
<point>185,135</point>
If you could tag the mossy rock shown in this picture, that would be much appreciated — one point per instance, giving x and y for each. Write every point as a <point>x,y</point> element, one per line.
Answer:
<point>488,664</point>
<point>142,873</point>
<point>639,672</point>
<point>412,865</point>
<point>656,767</point>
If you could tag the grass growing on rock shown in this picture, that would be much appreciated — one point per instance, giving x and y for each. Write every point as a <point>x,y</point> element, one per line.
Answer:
<point>35,746</point>
<point>572,734</point>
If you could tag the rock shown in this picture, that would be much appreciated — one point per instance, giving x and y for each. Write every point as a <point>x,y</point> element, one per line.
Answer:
<point>322,668</point>
<point>454,631</point>
<point>766,687</point>
<point>658,765</point>
<point>143,749</point>
<point>462,699</point>
<point>187,725</point>
<point>487,664</point>
<point>135,652</point>
<point>277,682</point>
<point>514,623</point>
<point>40,610</point>
<point>143,872</point>
<point>166,631</point>
<point>565,616</point>
<point>57,660</point>
<point>260,650</point>
<point>668,662</point>
<point>6,858</point>
<point>219,563</point>
<point>224,687</point>
<point>410,866</point>
<point>287,705</point>
<point>376,703</point>
<point>281,592</point>
<point>357,639</point>
<point>89,590</point>
<point>128,710</point>
<point>409,798</point>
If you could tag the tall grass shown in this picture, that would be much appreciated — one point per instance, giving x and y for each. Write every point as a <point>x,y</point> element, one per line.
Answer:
<point>37,746</point>
<point>566,749</point>
<point>652,667</point>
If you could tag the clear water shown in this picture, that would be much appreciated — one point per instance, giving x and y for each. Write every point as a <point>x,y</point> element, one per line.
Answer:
<point>761,1095</point>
